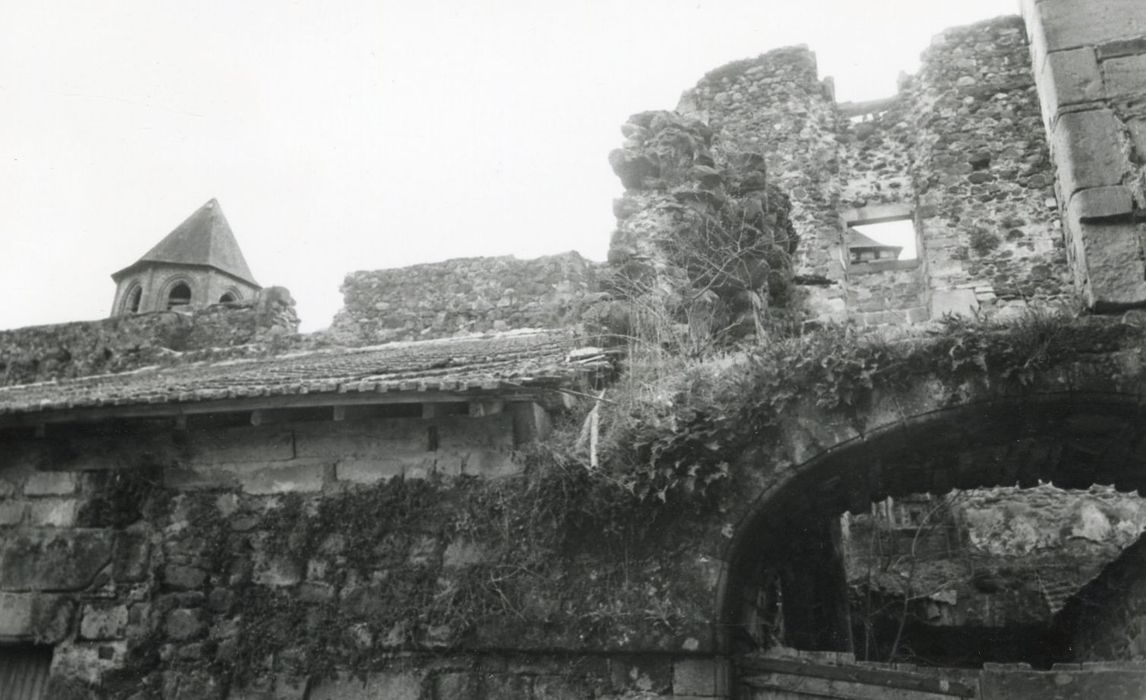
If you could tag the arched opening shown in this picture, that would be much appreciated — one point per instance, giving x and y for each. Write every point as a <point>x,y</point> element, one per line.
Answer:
<point>229,297</point>
<point>941,541</point>
<point>180,295</point>
<point>132,300</point>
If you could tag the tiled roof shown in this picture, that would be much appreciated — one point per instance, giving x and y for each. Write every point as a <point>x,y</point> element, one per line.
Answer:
<point>204,238</point>
<point>494,362</point>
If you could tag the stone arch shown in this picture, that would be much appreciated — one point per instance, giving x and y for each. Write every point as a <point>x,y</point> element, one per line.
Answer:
<point>132,299</point>
<point>1077,427</point>
<point>178,291</point>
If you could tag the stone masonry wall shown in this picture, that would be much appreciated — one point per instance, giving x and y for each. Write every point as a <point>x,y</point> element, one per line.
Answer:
<point>123,343</point>
<point>462,296</point>
<point>959,149</point>
<point>171,564</point>
<point>776,105</point>
<point>984,182</point>
<point>1089,58</point>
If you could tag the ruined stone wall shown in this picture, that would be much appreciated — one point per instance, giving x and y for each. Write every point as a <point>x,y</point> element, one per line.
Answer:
<point>776,105</point>
<point>1089,58</point>
<point>464,295</point>
<point>123,343</point>
<point>367,557</point>
<point>986,208</point>
<point>1034,548</point>
<point>960,149</point>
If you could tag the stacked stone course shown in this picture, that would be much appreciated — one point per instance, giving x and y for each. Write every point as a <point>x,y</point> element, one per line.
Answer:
<point>464,296</point>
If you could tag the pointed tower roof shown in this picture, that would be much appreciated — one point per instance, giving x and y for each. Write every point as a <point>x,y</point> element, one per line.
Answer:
<point>205,239</point>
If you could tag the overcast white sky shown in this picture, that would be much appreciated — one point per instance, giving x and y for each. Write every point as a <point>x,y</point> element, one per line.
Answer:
<point>341,135</point>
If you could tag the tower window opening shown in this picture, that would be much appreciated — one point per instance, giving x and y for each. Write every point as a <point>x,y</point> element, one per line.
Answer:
<point>134,297</point>
<point>180,295</point>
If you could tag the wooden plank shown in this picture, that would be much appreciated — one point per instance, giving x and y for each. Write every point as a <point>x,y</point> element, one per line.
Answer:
<point>888,678</point>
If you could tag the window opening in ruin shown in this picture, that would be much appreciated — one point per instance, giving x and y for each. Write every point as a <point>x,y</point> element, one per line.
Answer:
<point>180,295</point>
<point>133,299</point>
<point>881,241</point>
<point>228,298</point>
<point>24,671</point>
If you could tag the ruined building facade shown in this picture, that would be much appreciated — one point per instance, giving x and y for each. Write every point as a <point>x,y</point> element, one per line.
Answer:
<point>203,505</point>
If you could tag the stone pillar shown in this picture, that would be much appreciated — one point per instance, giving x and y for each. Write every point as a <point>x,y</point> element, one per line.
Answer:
<point>1089,62</point>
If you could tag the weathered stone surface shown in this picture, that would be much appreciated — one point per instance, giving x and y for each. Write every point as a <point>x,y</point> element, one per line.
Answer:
<point>103,621</point>
<point>184,578</point>
<point>1088,150</point>
<point>1068,24</point>
<point>360,471</point>
<point>1073,77</point>
<point>50,484</point>
<point>183,624</point>
<point>1115,273</point>
<point>957,302</point>
<point>285,478</point>
<point>17,615</point>
<point>1101,203</point>
<point>12,512</point>
<point>1125,76</point>
<point>52,512</point>
<point>132,557</point>
<point>464,295</point>
<point>392,686</point>
<point>53,560</point>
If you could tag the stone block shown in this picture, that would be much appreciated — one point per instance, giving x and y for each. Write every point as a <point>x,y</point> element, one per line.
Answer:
<point>50,484</point>
<point>53,618</point>
<point>1068,23</point>
<point>238,445</point>
<point>1125,76</point>
<point>392,686</point>
<point>48,559</point>
<point>1115,275</point>
<point>464,433</point>
<point>369,471</point>
<point>957,302</point>
<point>1101,203</point>
<point>1137,128</point>
<point>363,439</point>
<point>131,557</point>
<point>12,512</point>
<point>1071,77</point>
<point>183,624</point>
<point>87,661</point>
<point>1087,150</point>
<point>286,478</point>
<point>52,512</point>
<point>696,677</point>
<point>17,614</point>
<point>103,621</point>
<point>183,578</point>
<point>455,686</point>
<point>1121,47</point>
<point>199,479</point>
<point>488,464</point>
